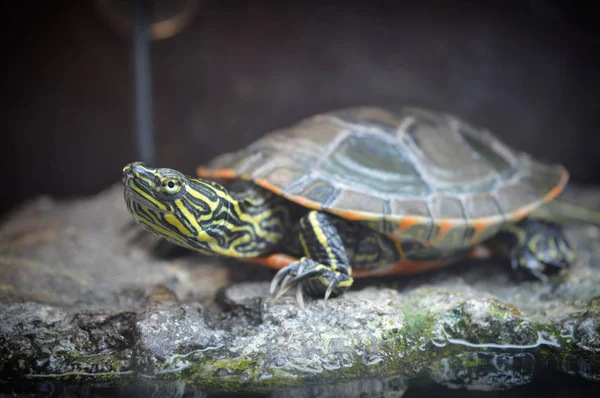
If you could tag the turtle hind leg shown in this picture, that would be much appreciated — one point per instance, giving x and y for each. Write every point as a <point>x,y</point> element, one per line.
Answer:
<point>535,248</point>
<point>325,270</point>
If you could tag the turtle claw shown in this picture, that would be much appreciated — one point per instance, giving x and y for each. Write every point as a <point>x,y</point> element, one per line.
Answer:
<point>330,289</point>
<point>311,278</point>
<point>283,277</point>
<point>544,251</point>
<point>300,295</point>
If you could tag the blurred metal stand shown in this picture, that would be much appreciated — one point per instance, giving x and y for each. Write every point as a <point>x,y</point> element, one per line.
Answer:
<point>143,21</point>
<point>142,81</point>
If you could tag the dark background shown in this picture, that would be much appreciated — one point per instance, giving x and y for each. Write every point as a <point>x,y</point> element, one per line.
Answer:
<point>527,70</point>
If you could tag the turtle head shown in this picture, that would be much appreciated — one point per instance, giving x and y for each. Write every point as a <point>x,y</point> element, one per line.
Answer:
<point>153,189</point>
<point>179,208</point>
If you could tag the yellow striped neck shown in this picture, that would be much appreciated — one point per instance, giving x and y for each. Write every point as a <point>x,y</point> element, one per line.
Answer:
<point>202,215</point>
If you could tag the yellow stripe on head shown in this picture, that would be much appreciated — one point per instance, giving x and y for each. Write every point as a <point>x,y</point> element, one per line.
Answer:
<point>197,214</point>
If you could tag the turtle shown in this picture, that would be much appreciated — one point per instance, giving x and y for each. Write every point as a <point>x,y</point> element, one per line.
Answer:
<point>360,191</point>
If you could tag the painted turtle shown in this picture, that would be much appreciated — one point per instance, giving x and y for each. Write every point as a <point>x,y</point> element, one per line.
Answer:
<point>358,192</point>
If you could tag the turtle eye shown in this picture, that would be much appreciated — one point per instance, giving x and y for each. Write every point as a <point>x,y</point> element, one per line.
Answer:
<point>171,186</point>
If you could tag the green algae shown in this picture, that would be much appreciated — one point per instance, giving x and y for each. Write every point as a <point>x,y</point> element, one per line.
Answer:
<point>408,351</point>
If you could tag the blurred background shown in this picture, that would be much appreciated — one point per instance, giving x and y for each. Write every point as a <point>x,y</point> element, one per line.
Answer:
<point>527,70</point>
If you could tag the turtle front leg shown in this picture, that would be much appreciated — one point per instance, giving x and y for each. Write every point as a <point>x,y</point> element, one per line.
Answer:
<point>539,248</point>
<point>325,270</point>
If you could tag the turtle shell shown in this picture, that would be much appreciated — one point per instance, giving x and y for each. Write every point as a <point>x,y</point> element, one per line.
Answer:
<point>410,174</point>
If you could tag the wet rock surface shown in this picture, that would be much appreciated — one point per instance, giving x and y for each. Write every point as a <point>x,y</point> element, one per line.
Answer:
<point>84,300</point>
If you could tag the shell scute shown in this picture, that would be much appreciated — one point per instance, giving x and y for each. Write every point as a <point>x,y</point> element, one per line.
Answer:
<point>410,173</point>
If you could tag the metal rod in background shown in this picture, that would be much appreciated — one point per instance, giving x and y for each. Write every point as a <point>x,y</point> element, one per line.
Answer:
<point>142,80</point>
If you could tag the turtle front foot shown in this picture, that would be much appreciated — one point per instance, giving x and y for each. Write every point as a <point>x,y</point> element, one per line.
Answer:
<point>312,278</point>
<point>540,249</point>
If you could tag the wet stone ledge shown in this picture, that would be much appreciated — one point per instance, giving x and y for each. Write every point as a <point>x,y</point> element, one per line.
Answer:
<point>85,300</point>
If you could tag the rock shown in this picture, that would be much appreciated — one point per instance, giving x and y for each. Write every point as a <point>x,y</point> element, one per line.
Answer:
<point>85,303</point>
<point>89,253</point>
